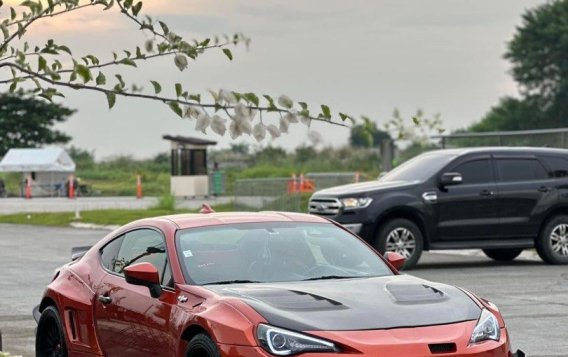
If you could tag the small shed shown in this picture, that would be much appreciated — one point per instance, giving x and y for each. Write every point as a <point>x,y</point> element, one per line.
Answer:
<point>48,168</point>
<point>189,166</point>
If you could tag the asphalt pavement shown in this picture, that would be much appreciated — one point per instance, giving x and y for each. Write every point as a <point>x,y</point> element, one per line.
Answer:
<point>531,295</point>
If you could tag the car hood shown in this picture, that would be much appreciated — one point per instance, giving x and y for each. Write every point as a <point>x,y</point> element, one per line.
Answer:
<point>363,187</point>
<point>355,304</point>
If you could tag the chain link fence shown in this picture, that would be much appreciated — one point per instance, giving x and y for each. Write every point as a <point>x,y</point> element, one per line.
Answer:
<point>285,193</point>
<point>555,138</point>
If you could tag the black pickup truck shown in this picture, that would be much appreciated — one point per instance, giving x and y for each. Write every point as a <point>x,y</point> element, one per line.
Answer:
<point>500,200</point>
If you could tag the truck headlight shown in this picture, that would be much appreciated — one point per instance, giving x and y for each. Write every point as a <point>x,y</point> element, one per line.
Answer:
<point>282,342</point>
<point>355,203</point>
<point>487,328</point>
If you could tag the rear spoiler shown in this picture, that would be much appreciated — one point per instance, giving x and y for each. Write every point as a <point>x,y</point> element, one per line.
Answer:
<point>78,252</point>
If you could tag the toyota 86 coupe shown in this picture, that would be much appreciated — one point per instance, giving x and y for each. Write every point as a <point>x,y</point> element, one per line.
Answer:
<point>255,285</point>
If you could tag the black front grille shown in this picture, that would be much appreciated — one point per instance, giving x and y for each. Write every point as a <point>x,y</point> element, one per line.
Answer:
<point>329,207</point>
<point>436,348</point>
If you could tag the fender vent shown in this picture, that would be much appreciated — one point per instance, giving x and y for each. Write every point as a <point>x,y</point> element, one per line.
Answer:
<point>437,348</point>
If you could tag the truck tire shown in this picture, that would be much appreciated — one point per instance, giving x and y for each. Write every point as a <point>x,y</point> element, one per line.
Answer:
<point>402,236</point>
<point>503,255</point>
<point>552,242</point>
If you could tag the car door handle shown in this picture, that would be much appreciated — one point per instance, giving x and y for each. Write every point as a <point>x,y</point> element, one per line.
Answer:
<point>105,300</point>
<point>543,189</point>
<point>486,193</point>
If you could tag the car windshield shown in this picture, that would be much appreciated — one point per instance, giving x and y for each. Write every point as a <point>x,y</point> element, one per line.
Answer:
<point>419,168</point>
<point>274,252</point>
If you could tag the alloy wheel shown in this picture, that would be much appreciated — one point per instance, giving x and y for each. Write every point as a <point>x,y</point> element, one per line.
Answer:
<point>402,241</point>
<point>559,239</point>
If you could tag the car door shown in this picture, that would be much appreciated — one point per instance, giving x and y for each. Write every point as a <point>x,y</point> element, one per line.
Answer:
<point>468,211</point>
<point>526,190</point>
<point>129,321</point>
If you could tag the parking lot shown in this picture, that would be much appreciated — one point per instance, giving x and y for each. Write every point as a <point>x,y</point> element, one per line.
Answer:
<point>531,295</point>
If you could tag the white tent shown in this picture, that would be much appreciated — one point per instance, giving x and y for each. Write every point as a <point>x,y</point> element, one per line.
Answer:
<point>37,160</point>
<point>48,169</point>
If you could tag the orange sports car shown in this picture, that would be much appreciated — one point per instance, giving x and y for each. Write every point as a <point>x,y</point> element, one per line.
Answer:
<point>255,285</point>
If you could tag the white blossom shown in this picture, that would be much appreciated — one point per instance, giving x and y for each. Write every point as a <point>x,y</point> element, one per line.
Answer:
<point>284,125</point>
<point>315,137</point>
<point>305,120</point>
<point>180,62</point>
<point>273,131</point>
<point>239,126</point>
<point>218,125</point>
<point>241,110</point>
<point>259,132</point>
<point>285,101</point>
<point>291,117</point>
<point>227,96</point>
<point>192,113</point>
<point>202,123</point>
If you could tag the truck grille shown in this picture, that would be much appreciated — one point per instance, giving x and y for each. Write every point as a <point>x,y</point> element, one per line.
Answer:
<point>325,206</point>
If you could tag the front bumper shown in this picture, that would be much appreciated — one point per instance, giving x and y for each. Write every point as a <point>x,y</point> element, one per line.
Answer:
<point>403,342</point>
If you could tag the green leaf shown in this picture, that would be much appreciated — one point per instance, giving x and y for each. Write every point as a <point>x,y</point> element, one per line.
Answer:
<point>5,32</point>
<point>13,86</point>
<point>128,62</point>
<point>111,99</point>
<point>41,64</point>
<point>228,53</point>
<point>345,117</point>
<point>12,13</point>
<point>136,8</point>
<point>326,112</point>
<point>179,90</point>
<point>139,52</point>
<point>416,120</point>
<point>101,79</point>
<point>65,49</point>
<point>165,28</point>
<point>110,5</point>
<point>176,109</point>
<point>253,98</point>
<point>195,97</point>
<point>157,87</point>
<point>84,72</point>
<point>303,105</point>
<point>120,80</point>
<point>205,42</point>
<point>128,3</point>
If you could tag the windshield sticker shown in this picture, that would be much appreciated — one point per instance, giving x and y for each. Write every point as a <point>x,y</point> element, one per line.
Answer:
<point>187,253</point>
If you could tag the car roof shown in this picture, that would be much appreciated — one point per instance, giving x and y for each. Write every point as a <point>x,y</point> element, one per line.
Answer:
<point>194,220</point>
<point>501,149</point>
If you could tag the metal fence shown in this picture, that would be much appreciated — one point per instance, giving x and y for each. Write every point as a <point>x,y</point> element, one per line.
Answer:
<point>556,138</point>
<point>284,193</point>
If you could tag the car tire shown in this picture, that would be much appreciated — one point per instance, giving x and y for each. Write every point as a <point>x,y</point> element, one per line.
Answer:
<point>402,236</point>
<point>503,255</point>
<point>552,242</point>
<point>202,345</point>
<point>50,336</point>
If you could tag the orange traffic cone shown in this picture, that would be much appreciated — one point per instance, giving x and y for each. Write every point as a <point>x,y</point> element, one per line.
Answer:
<point>138,186</point>
<point>28,189</point>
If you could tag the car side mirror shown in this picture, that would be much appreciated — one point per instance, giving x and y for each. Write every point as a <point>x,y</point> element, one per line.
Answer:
<point>451,179</point>
<point>144,274</point>
<point>395,259</point>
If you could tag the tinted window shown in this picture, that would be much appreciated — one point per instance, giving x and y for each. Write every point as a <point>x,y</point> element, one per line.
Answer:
<point>558,165</point>
<point>521,170</point>
<point>141,246</point>
<point>109,253</point>
<point>274,252</point>
<point>420,168</point>
<point>478,171</point>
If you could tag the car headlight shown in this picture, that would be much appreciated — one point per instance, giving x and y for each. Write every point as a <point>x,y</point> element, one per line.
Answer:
<point>487,328</point>
<point>282,342</point>
<point>355,203</point>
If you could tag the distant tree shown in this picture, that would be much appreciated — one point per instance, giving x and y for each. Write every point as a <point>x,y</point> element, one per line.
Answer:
<point>83,158</point>
<point>240,148</point>
<point>271,155</point>
<point>367,134</point>
<point>510,114</point>
<point>305,153</point>
<point>27,122</point>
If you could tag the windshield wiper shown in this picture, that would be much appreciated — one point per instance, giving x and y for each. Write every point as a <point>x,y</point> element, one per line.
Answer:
<point>226,282</point>
<point>329,277</point>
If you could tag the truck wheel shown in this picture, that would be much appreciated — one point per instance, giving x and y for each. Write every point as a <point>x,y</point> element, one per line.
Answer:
<point>503,255</point>
<point>403,237</point>
<point>552,243</point>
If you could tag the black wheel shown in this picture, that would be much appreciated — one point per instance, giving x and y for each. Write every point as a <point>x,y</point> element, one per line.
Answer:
<point>403,237</point>
<point>202,345</point>
<point>50,338</point>
<point>552,243</point>
<point>503,255</point>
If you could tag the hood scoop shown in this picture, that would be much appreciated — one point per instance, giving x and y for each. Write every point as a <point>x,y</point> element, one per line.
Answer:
<point>409,293</point>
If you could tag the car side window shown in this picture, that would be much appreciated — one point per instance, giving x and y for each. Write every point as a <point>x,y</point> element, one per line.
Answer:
<point>475,171</point>
<point>139,246</point>
<point>558,165</point>
<point>512,170</point>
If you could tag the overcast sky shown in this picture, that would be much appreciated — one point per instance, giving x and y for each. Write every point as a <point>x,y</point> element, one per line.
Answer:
<point>359,56</point>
